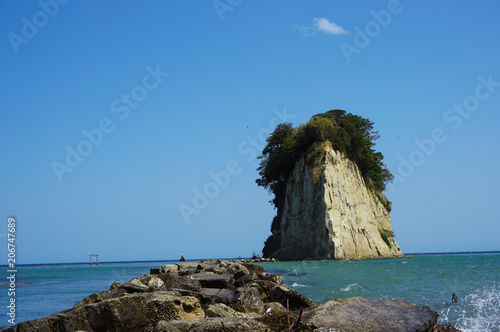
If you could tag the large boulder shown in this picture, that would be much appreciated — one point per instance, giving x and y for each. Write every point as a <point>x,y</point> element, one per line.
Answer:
<point>248,300</point>
<point>115,285</point>
<point>289,297</point>
<point>360,314</point>
<point>236,269</point>
<point>173,281</point>
<point>155,283</point>
<point>132,312</point>
<point>274,308</point>
<point>188,268</point>
<point>134,285</point>
<point>169,268</point>
<point>246,279</point>
<point>265,285</point>
<point>101,296</point>
<point>254,268</point>
<point>152,282</point>
<point>212,280</point>
<point>216,295</point>
<point>276,278</point>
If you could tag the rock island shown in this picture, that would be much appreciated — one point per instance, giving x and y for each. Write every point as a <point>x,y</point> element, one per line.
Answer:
<point>327,181</point>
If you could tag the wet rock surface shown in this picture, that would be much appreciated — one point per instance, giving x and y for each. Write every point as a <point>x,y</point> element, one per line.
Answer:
<point>216,295</point>
<point>360,314</point>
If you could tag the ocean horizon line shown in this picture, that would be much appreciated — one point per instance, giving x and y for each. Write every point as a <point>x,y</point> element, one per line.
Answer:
<point>4,266</point>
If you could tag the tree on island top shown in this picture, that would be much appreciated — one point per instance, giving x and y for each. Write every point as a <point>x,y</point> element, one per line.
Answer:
<point>350,134</point>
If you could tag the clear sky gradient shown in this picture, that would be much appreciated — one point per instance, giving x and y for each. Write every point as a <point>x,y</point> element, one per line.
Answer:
<point>131,129</point>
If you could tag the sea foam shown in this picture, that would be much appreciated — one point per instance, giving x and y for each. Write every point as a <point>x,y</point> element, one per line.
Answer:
<point>478,311</point>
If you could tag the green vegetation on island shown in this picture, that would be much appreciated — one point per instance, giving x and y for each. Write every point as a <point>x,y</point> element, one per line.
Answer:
<point>386,235</point>
<point>351,134</point>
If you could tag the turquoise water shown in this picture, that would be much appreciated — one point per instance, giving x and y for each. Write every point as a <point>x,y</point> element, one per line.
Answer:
<point>424,280</point>
<point>46,290</point>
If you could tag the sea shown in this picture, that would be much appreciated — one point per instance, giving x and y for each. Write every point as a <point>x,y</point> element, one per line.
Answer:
<point>424,279</point>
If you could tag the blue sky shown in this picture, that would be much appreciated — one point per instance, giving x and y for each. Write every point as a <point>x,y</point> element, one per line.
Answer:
<point>116,115</point>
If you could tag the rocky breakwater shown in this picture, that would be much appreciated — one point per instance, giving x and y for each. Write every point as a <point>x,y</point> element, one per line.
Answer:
<point>216,295</point>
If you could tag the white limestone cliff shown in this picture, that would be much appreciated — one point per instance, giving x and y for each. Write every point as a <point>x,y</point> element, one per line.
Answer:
<point>329,213</point>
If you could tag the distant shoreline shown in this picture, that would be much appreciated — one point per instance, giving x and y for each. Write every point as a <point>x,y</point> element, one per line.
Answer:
<point>239,258</point>
<point>453,253</point>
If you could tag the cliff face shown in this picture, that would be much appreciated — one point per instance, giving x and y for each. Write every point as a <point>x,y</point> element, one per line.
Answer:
<point>330,214</point>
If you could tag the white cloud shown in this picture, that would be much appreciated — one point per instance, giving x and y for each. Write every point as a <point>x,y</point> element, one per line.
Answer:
<point>306,31</point>
<point>323,24</point>
<point>320,24</point>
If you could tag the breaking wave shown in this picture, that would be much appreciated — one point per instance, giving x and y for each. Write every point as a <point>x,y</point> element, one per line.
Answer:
<point>295,284</point>
<point>478,311</point>
<point>351,287</point>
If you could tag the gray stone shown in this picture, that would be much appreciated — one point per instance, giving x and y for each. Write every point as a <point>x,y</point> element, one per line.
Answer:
<point>212,280</point>
<point>101,296</point>
<point>360,314</point>
<point>183,292</point>
<point>115,285</point>
<point>155,283</point>
<point>245,279</point>
<point>212,265</point>
<point>237,270</point>
<point>295,300</point>
<point>265,285</point>
<point>254,268</point>
<point>274,308</point>
<point>248,300</point>
<point>173,281</point>
<point>217,294</point>
<point>144,278</point>
<point>276,278</point>
<point>262,293</point>
<point>188,268</point>
<point>226,294</point>
<point>134,286</point>
<point>169,268</point>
